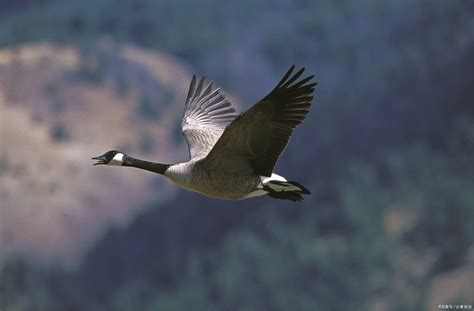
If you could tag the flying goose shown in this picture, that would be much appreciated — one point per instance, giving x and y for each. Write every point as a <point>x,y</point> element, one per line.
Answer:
<point>232,157</point>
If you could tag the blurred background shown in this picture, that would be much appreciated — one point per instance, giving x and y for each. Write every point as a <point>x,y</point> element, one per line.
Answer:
<point>387,151</point>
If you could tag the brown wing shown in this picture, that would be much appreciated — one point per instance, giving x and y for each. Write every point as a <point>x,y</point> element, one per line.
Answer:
<point>253,142</point>
<point>206,115</point>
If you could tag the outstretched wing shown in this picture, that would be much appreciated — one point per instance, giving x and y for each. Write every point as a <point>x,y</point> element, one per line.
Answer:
<point>206,114</point>
<point>253,142</point>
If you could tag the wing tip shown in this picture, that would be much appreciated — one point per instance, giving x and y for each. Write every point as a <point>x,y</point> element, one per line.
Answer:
<point>192,85</point>
<point>289,78</point>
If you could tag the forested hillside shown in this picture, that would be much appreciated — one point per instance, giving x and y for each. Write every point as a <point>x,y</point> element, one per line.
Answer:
<point>386,150</point>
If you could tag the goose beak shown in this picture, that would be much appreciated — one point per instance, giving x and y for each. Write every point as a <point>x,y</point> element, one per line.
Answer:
<point>100,160</point>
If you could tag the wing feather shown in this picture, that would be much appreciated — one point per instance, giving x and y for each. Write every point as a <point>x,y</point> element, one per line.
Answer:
<point>254,141</point>
<point>207,112</point>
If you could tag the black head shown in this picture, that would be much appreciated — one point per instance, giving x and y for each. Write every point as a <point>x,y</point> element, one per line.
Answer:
<point>112,157</point>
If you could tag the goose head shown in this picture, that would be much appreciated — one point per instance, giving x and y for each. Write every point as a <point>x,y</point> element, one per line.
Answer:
<point>111,157</point>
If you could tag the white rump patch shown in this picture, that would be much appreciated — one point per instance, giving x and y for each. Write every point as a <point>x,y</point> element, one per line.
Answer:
<point>274,176</point>
<point>283,184</point>
<point>117,160</point>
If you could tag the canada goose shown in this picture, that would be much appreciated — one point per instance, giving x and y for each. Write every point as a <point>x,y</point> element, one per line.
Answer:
<point>232,157</point>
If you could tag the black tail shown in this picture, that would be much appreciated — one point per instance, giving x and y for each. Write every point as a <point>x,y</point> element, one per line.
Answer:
<point>286,190</point>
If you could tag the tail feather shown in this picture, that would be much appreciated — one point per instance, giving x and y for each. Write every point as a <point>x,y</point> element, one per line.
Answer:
<point>286,190</point>
<point>286,195</point>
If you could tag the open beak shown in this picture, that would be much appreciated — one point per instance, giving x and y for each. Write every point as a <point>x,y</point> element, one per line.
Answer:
<point>100,160</point>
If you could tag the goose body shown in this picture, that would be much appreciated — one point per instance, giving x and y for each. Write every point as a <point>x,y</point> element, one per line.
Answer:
<point>232,157</point>
<point>213,183</point>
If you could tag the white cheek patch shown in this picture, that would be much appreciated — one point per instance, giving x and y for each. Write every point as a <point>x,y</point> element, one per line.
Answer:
<point>117,160</point>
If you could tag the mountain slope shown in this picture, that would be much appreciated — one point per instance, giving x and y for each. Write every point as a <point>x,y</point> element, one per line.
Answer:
<point>60,106</point>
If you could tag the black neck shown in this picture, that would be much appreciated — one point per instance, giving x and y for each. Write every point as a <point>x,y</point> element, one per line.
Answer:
<point>145,165</point>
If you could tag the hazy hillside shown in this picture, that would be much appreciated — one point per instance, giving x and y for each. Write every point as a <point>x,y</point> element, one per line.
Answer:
<point>59,107</point>
<point>386,150</point>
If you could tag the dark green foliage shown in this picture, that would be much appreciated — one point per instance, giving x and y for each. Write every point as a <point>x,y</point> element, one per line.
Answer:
<point>23,287</point>
<point>390,132</point>
<point>445,183</point>
<point>275,262</point>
